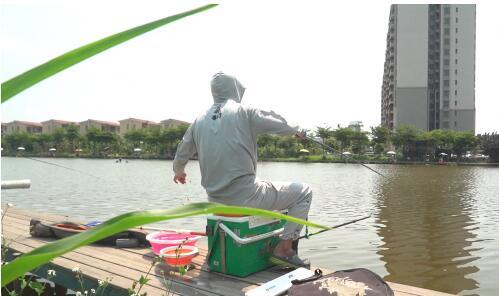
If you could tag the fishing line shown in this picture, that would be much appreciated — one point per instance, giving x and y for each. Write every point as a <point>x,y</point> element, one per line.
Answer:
<point>64,167</point>
<point>333,150</point>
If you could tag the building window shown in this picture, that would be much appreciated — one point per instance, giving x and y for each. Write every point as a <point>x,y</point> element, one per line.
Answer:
<point>456,40</point>
<point>446,72</point>
<point>445,114</point>
<point>455,61</point>
<point>446,51</point>
<point>455,82</point>
<point>455,123</point>
<point>456,20</point>
<point>446,104</point>
<point>455,71</point>
<point>446,62</point>
<point>446,41</point>
<point>446,94</point>
<point>445,124</point>
<point>457,9</point>
<point>455,92</point>
<point>447,10</point>
<point>455,103</point>
<point>446,82</point>
<point>456,50</point>
<point>447,31</point>
<point>455,113</point>
<point>447,21</point>
<point>456,30</point>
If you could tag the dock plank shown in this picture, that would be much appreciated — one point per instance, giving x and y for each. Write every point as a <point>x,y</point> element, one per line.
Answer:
<point>132,267</point>
<point>91,273</point>
<point>199,261</point>
<point>127,265</point>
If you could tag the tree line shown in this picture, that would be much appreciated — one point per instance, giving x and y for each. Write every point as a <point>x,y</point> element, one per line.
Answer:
<point>152,141</point>
<point>408,142</point>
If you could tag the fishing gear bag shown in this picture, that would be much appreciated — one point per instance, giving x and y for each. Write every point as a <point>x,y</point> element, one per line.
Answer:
<point>125,239</point>
<point>358,282</point>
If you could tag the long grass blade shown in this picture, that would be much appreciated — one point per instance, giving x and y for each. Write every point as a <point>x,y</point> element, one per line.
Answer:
<point>42,255</point>
<point>31,77</point>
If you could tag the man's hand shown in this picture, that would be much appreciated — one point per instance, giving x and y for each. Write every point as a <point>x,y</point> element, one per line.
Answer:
<point>180,178</point>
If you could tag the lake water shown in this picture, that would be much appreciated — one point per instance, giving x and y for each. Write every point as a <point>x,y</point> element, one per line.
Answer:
<point>434,227</point>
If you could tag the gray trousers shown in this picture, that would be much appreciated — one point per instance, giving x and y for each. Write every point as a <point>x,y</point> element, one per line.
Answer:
<point>294,197</point>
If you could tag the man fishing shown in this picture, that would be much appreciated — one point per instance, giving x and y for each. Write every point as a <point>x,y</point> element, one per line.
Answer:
<point>225,140</point>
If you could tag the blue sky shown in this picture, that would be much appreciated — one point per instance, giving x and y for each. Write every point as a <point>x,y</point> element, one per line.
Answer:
<point>315,64</point>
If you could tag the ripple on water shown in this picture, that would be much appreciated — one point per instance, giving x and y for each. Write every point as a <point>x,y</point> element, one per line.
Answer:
<point>431,226</point>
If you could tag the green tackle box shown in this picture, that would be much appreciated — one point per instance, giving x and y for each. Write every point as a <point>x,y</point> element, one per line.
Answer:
<point>242,245</point>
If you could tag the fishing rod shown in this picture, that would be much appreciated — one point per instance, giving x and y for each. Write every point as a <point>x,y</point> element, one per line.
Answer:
<point>61,166</point>
<point>307,235</point>
<point>333,150</point>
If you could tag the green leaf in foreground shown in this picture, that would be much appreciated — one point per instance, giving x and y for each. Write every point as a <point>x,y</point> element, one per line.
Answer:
<point>42,255</point>
<point>31,77</point>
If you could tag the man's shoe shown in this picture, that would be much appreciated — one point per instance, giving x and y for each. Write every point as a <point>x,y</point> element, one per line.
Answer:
<point>290,261</point>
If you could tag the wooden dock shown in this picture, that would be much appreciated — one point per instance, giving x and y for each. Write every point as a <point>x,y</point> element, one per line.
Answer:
<point>123,266</point>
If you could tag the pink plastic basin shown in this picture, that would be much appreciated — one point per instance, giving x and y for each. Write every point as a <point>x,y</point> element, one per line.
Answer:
<point>162,239</point>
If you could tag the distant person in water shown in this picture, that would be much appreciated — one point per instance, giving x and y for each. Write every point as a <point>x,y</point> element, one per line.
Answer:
<point>225,140</point>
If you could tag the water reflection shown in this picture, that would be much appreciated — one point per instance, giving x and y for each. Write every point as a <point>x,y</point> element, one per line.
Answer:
<point>425,220</point>
<point>426,225</point>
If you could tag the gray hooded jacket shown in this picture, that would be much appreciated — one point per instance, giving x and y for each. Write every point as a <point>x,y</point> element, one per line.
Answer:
<point>225,139</point>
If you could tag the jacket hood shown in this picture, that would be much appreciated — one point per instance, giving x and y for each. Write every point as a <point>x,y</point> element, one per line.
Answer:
<point>225,87</point>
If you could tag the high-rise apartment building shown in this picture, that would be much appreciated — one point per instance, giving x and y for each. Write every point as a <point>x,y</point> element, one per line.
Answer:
<point>429,77</point>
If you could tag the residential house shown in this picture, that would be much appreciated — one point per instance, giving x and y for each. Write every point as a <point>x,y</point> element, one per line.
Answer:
<point>18,126</point>
<point>169,123</point>
<point>51,125</point>
<point>130,124</point>
<point>104,126</point>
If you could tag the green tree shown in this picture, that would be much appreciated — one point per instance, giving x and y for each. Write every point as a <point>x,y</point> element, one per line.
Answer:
<point>464,141</point>
<point>442,139</point>
<point>405,138</point>
<point>166,138</point>
<point>153,139</point>
<point>275,141</point>
<point>134,137</point>
<point>264,141</point>
<point>489,143</point>
<point>106,141</point>
<point>378,148</point>
<point>58,137</point>
<point>288,144</point>
<point>92,137</point>
<point>381,137</point>
<point>44,142</point>
<point>344,136</point>
<point>359,141</point>
<point>181,129</point>
<point>15,140</point>
<point>324,133</point>
<point>73,136</point>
